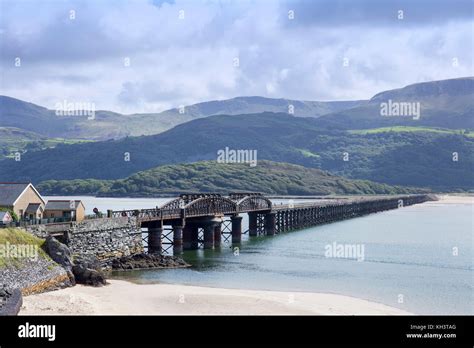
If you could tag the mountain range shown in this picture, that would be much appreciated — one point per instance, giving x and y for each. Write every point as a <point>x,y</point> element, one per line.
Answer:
<point>357,142</point>
<point>111,125</point>
<point>445,103</point>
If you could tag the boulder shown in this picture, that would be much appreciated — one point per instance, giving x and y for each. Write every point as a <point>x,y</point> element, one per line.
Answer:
<point>71,277</point>
<point>88,261</point>
<point>59,252</point>
<point>10,301</point>
<point>4,292</point>
<point>141,261</point>
<point>87,271</point>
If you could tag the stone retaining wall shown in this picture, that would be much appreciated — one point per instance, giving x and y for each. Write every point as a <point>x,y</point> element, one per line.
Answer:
<point>42,231</point>
<point>107,238</point>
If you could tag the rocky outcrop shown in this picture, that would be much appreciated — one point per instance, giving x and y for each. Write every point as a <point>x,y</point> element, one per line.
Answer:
<point>59,252</point>
<point>27,269</point>
<point>10,301</point>
<point>101,245</point>
<point>142,261</point>
<point>87,270</point>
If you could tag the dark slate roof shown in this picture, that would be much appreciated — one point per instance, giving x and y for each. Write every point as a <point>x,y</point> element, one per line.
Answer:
<point>9,192</point>
<point>61,205</point>
<point>32,207</point>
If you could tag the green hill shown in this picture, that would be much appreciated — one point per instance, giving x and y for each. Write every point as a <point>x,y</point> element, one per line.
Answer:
<point>421,159</point>
<point>15,140</point>
<point>268,177</point>
<point>393,150</point>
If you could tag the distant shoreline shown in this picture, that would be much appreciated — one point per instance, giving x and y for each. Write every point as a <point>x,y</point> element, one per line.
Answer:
<point>457,194</point>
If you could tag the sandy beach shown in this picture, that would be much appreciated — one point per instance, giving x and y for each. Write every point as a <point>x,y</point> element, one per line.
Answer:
<point>121,297</point>
<point>453,199</point>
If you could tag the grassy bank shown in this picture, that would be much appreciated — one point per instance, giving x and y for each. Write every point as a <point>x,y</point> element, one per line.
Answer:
<point>18,237</point>
<point>26,266</point>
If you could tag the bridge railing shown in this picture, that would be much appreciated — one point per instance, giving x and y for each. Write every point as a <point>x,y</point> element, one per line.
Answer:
<point>171,213</point>
<point>399,199</point>
<point>308,204</point>
<point>210,206</point>
<point>221,205</point>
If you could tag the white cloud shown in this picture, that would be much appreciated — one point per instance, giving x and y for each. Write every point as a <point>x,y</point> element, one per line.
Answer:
<point>178,62</point>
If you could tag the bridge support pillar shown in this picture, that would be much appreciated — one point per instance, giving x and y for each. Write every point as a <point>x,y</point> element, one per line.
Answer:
<point>253,228</point>
<point>177,240</point>
<point>190,237</point>
<point>155,231</point>
<point>236,229</point>
<point>209,236</point>
<point>270,225</point>
<point>217,235</point>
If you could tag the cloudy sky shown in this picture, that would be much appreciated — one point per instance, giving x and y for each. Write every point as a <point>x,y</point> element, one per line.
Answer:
<point>150,55</point>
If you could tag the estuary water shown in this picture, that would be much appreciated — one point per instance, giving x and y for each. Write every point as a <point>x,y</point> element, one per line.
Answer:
<point>418,258</point>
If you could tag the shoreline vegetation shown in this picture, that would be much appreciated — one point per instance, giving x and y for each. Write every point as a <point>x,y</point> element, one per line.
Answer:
<point>271,178</point>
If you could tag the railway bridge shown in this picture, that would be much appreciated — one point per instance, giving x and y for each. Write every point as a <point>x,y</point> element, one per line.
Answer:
<point>195,220</point>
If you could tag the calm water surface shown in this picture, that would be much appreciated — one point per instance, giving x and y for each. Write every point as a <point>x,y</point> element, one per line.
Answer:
<point>408,257</point>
